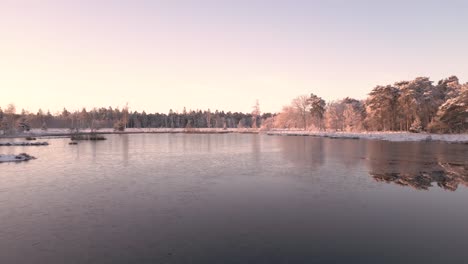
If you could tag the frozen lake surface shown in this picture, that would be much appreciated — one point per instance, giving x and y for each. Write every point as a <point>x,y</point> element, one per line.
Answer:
<point>234,198</point>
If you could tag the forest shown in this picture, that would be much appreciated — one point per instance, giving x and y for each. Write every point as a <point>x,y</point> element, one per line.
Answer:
<point>417,105</point>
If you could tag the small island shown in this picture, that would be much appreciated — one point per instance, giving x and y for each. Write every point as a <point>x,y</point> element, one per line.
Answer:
<point>16,158</point>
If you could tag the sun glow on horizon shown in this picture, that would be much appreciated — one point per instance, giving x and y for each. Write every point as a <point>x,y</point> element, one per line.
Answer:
<point>161,56</point>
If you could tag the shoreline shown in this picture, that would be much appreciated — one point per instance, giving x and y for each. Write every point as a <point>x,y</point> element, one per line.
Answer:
<point>66,133</point>
<point>383,136</point>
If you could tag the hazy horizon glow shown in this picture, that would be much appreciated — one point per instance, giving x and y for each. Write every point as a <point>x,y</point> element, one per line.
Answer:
<point>161,55</point>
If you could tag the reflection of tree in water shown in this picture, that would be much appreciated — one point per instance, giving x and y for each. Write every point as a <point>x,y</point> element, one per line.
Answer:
<point>418,165</point>
<point>346,152</point>
<point>125,145</point>
<point>446,175</point>
<point>303,151</point>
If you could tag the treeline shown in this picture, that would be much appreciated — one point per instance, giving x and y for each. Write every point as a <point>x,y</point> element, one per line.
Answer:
<point>120,119</point>
<point>416,105</point>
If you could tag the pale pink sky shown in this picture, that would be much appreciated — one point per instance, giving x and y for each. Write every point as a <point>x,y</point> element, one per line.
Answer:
<point>224,55</point>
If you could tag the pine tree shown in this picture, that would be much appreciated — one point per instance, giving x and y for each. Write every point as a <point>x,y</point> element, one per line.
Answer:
<point>255,114</point>
<point>452,116</point>
<point>381,108</point>
<point>317,109</point>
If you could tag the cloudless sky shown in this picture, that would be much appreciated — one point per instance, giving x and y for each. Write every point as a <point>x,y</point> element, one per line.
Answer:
<point>158,55</point>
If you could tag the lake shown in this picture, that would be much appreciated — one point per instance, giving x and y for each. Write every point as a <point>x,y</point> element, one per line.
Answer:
<point>235,198</point>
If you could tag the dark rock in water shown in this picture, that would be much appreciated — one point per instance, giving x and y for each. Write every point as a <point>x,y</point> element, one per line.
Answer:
<point>97,138</point>
<point>77,137</point>
<point>24,156</point>
<point>428,138</point>
<point>88,137</point>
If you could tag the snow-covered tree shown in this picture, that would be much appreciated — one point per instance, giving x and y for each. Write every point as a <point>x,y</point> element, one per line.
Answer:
<point>334,115</point>
<point>353,114</point>
<point>9,120</point>
<point>268,123</point>
<point>452,116</point>
<point>381,108</point>
<point>416,126</point>
<point>241,123</point>
<point>208,118</point>
<point>413,99</point>
<point>317,110</point>
<point>346,114</point>
<point>289,118</point>
<point>449,88</point>
<point>301,106</point>
<point>255,114</point>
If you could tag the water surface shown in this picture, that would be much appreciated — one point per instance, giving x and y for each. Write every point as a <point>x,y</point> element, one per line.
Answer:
<point>235,198</point>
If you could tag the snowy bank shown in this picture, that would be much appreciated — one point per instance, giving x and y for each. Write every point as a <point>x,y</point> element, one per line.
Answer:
<point>63,132</point>
<point>16,158</point>
<point>387,136</point>
<point>7,144</point>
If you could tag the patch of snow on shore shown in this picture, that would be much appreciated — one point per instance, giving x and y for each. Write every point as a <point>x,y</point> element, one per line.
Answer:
<point>24,144</point>
<point>387,136</point>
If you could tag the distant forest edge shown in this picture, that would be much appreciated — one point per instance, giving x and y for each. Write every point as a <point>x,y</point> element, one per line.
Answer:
<point>417,105</point>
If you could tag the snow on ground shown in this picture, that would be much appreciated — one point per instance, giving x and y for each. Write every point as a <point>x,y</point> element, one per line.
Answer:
<point>24,143</point>
<point>388,136</point>
<point>64,131</point>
